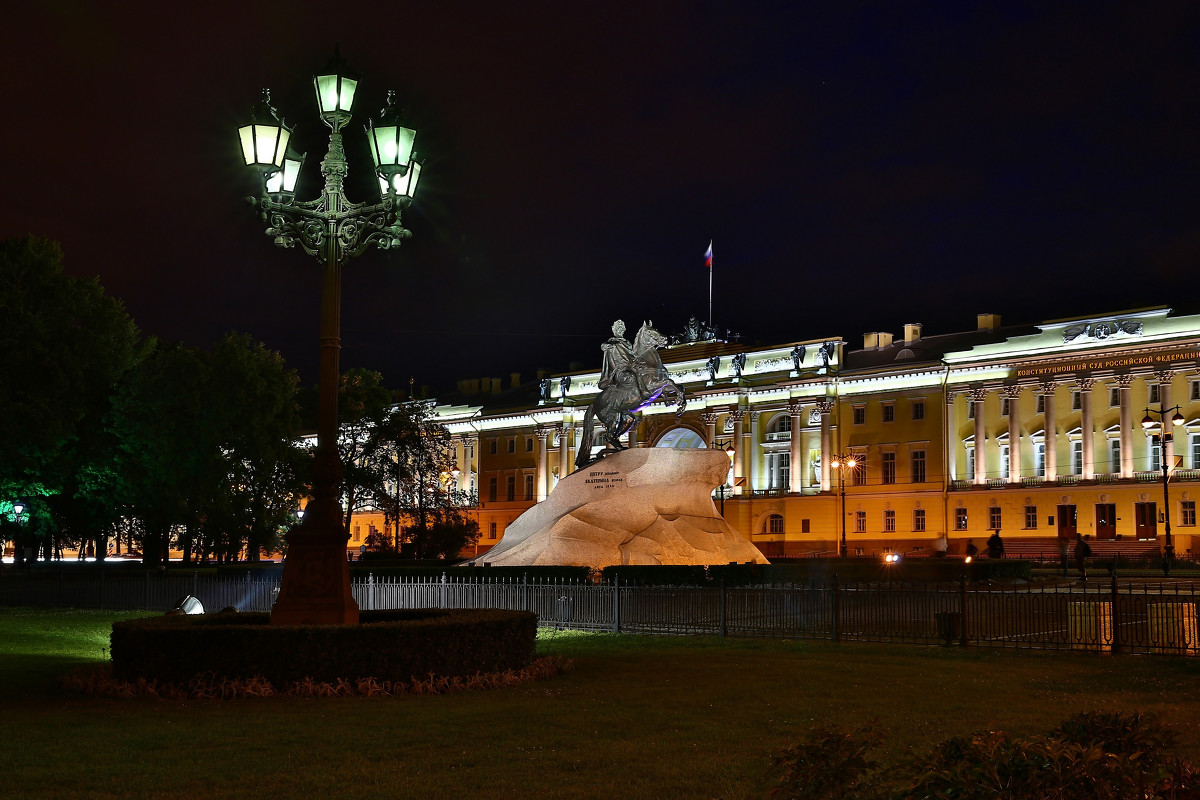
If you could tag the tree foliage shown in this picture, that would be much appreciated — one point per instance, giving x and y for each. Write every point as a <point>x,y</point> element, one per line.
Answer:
<point>64,346</point>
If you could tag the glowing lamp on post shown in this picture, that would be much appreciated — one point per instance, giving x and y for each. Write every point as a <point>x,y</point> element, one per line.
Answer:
<point>391,145</point>
<point>335,88</point>
<point>265,139</point>
<point>284,181</point>
<point>18,508</point>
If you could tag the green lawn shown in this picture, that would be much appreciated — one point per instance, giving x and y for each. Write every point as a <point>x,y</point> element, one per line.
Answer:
<point>636,717</point>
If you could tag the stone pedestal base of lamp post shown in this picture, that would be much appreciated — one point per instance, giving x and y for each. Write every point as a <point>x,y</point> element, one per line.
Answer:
<point>316,577</point>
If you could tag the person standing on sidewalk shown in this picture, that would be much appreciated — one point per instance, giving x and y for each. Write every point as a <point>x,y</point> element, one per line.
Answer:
<point>1082,551</point>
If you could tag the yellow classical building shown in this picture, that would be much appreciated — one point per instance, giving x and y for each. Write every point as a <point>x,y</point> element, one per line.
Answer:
<point>904,443</point>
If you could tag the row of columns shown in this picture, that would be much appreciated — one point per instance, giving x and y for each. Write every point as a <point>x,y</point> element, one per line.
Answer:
<point>1050,430</point>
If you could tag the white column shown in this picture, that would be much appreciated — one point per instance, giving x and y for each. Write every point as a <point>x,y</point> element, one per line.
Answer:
<point>1125,389</point>
<point>564,450</point>
<point>1087,427</point>
<point>953,443</point>
<point>543,465</point>
<point>738,450</point>
<point>1014,433</point>
<point>978,397</point>
<point>750,460</point>
<point>1050,429</point>
<point>1164,403</point>
<point>795,470</point>
<point>825,407</point>
<point>709,418</point>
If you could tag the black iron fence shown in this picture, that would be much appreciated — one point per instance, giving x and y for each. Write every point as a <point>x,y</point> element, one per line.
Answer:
<point>1105,616</point>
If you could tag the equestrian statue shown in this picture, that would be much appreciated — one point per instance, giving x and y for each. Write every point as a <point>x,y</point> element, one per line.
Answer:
<point>632,377</point>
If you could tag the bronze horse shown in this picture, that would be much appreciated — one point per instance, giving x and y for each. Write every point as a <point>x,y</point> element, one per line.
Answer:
<point>631,389</point>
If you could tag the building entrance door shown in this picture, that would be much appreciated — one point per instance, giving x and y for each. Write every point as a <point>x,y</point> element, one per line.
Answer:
<point>1106,521</point>
<point>1145,520</point>
<point>1067,522</point>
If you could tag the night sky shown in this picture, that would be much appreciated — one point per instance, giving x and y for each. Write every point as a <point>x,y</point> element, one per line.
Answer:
<point>857,166</point>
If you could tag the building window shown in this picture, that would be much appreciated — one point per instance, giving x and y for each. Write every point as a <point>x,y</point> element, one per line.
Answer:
<point>889,467</point>
<point>775,523</point>
<point>889,412</point>
<point>1004,406</point>
<point>1114,397</point>
<point>512,444</point>
<point>918,519</point>
<point>918,466</point>
<point>1154,393</point>
<point>860,522</point>
<point>859,473</point>
<point>492,446</point>
<point>1114,455</point>
<point>528,487</point>
<point>805,526</point>
<point>1039,459</point>
<point>1187,513</point>
<point>528,444</point>
<point>970,409</point>
<point>491,490</point>
<point>918,410</point>
<point>1194,390</point>
<point>994,518</point>
<point>1030,517</point>
<point>1075,402</point>
<point>1194,447</point>
<point>1155,454</point>
<point>491,530</point>
<point>782,424</point>
<point>889,520</point>
<point>960,519</point>
<point>971,463</point>
<point>357,533</point>
<point>1040,408</point>
<point>510,492</point>
<point>1004,472</point>
<point>860,415</point>
<point>1077,458</point>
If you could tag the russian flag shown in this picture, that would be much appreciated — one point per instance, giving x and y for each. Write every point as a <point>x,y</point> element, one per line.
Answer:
<point>708,255</point>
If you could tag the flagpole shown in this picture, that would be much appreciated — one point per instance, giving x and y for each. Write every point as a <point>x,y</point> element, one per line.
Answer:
<point>709,263</point>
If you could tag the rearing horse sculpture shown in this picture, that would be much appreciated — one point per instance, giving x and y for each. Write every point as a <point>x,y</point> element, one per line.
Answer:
<point>629,389</point>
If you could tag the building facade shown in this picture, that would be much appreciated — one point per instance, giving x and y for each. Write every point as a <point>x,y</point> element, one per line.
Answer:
<point>909,443</point>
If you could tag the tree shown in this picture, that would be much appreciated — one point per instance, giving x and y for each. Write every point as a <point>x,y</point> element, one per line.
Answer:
<point>418,490</point>
<point>363,404</point>
<point>208,443</point>
<point>64,346</point>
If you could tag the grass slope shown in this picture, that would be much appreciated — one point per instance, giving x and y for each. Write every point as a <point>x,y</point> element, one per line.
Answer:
<point>637,716</point>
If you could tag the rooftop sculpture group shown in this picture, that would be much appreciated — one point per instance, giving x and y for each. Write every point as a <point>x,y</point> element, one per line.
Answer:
<point>632,377</point>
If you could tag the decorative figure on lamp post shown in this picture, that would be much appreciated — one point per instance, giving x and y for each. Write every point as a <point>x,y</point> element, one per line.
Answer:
<point>316,578</point>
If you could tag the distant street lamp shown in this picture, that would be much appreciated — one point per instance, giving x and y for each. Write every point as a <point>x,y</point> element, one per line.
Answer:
<point>1165,436</point>
<point>316,578</point>
<point>842,462</point>
<point>727,446</point>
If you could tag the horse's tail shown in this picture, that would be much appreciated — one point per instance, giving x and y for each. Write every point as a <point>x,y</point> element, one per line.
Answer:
<point>584,450</point>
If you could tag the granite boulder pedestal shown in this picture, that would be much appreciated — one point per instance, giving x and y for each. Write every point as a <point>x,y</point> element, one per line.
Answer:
<point>640,506</point>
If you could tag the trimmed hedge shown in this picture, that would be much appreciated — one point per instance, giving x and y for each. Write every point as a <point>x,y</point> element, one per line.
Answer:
<point>387,645</point>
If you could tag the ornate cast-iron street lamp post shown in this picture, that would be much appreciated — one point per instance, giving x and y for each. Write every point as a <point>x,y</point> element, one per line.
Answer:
<point>1165,436</point>
<point>316,577</point>
<point>842,462</point>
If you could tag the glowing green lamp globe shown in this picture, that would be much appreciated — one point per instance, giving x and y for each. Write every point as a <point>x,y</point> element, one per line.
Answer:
<point>265,139</point>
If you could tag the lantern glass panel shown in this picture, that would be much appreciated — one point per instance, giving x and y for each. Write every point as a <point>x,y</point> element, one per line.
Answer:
<point>346,98</point>
<point>327,92</point>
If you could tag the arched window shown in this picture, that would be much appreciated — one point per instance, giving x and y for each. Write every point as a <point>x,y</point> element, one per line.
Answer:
<point>782,423</point>
<point>773,523</point>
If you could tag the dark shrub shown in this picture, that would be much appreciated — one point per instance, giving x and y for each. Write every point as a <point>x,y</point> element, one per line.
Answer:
<point>388,645</point>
